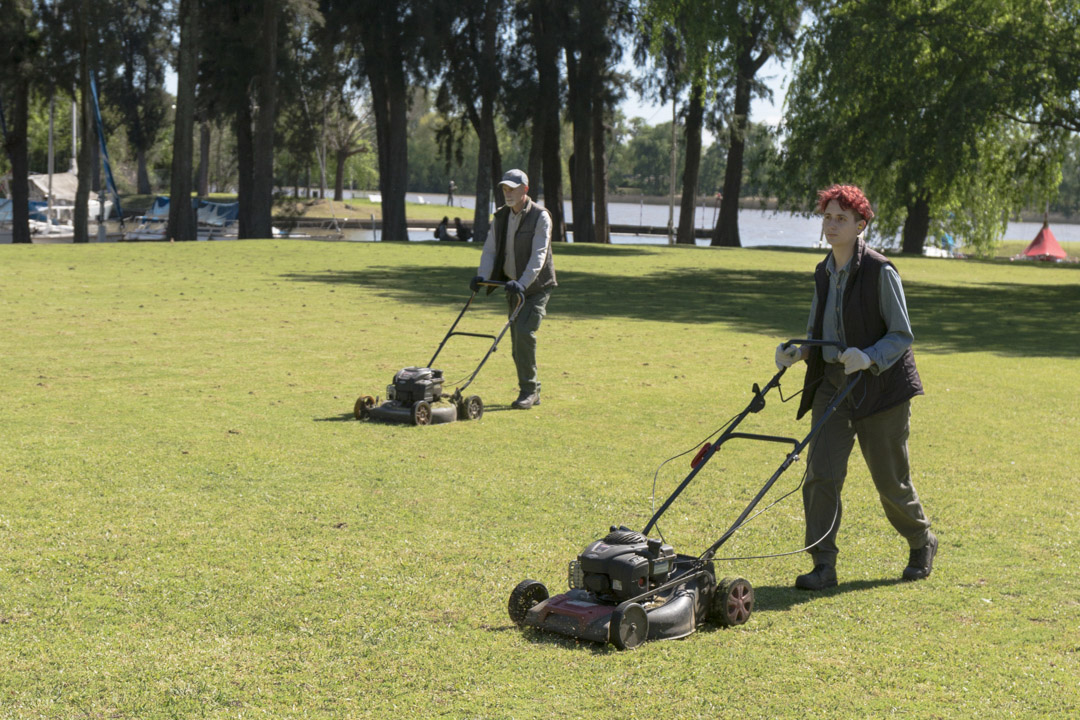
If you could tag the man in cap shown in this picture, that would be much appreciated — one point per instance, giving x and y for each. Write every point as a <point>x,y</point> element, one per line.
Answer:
<point>518,252</point>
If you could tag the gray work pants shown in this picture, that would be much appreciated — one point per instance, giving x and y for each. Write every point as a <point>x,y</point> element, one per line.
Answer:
<point>883,440</point>
<point>523,337</point>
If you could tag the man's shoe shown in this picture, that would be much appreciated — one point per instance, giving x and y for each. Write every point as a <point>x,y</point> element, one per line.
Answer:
<point>921,561</point>
<point>821,577</point>
<point>525,401</point>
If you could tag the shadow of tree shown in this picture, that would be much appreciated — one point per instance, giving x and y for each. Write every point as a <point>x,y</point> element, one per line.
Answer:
<point>1022,319</point>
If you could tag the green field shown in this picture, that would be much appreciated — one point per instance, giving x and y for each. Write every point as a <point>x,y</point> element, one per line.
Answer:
<point>193,526</point>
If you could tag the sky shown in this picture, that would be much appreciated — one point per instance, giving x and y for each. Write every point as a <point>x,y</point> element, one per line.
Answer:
<point>773,73</point>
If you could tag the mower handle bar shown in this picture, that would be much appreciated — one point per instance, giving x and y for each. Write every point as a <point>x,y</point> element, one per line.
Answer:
<point>495,338</point>
<point>755,405</point>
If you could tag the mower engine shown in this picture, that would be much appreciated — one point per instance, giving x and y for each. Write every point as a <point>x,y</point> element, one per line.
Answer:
<point>413,384</point>
<point>622,565</point>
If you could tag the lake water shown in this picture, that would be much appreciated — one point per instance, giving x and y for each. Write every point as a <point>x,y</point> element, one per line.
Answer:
<point>757,228</point>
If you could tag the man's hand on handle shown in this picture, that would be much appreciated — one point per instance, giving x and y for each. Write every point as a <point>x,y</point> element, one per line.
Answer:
<point>474,284</point>
<point>787,355</point>
<point>855,360</point>
<point>513,287</point>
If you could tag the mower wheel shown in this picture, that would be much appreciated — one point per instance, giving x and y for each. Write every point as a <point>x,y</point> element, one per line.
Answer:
<point>524,596</point>
<point>732,603</point>
<point>421,413</point>
<point>471,408</point>
<point>629,626</point>
<point>363,405</point>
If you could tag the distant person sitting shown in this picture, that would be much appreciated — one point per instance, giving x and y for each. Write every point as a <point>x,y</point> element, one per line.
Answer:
<point>441,233</point>
<point>464,234</point>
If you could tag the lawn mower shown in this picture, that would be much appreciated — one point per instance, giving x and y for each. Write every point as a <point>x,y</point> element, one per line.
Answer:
<point>627,588</point>
<point>417,394</point>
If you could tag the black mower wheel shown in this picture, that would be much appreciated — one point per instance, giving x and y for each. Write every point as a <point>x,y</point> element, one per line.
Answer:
<point>732,603</point>
<point>363,406</point>
<point>524,596</point>
<point>421,413</point>
<point>629,626</point>
<point>470,408</point>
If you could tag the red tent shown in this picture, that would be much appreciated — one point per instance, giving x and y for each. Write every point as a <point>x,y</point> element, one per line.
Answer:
<point>1045,246</point>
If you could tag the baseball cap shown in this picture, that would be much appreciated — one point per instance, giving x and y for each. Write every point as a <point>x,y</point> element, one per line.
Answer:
<point>513,178</point>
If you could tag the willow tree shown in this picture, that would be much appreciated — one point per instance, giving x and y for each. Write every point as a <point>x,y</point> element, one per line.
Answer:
<point>878,101</point>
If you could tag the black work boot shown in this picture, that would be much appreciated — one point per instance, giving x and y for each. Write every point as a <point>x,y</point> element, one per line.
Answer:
<point>525,401</point>
<point>921,561</point>
<point>821,577</point>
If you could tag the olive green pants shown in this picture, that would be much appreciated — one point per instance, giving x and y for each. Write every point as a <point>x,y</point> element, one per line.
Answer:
<point>883,440</point>
<point>523,338</point>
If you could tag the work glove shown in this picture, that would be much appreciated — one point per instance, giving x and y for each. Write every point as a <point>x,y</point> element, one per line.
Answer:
<point>787,355</point>
<point>855,360</point>
<point>474,284</point>
<point>513,287</point>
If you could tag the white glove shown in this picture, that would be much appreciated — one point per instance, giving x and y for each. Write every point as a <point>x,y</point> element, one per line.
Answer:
<point>786,356</point>
<point>854,360</point>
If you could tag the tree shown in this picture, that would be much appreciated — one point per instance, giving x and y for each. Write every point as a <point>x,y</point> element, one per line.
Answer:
<point>679,38</point>
<point>591,44</point>
<point>755,31</point>
<point>19,45</point>
<point>472,59</point>
<point>543,32</point>
<point>389,46</point>
<point>181,224</point>
<point>138,89</point>
<point>877,101</point>
<point>716,51</point>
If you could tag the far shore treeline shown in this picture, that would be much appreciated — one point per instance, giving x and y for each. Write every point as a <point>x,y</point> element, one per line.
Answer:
<point>950,115</point>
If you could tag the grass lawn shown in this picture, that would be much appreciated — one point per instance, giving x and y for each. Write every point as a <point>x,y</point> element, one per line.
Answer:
<point>192,524</point>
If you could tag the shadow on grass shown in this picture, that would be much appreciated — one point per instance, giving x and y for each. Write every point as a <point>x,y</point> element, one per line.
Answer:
<point>776,598</point>
<point>1027,320</point>
<point>344,417</point>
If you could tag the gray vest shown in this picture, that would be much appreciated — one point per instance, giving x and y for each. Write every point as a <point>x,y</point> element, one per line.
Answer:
<point>523,240</point>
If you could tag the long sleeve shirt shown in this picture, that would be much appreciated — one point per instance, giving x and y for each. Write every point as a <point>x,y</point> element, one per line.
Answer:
<point>898,336</point>
<point>538,254</point>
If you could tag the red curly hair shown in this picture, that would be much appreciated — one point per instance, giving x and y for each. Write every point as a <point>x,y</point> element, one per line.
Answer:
<point>849,197</point>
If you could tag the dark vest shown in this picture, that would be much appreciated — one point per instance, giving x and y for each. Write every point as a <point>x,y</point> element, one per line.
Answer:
<point>523,240</point>
<point>863,326</point>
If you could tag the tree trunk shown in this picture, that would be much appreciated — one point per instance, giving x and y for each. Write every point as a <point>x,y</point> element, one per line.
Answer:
<point>262,178</point>
<point>547,60</point>
<point>202,182</point>
<point>535,163</point>
<point>580,101</point>
<point>687,208</point>
<point>245,164</point>
<point>142,180</point>
<point>82,192</point>
<point>484,180</point>
<point>386,76</point>
<point>726,232</point>
<point>600,178</point>
<point>17,145</point>
<point>916,225</point>
<point>340,156</point>
<point>181,218</point>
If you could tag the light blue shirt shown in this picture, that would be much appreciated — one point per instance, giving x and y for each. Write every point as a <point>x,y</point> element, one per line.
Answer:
<point>898,337</point>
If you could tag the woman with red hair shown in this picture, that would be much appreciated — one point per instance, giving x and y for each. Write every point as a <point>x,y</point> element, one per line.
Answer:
<point>858,302</point>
